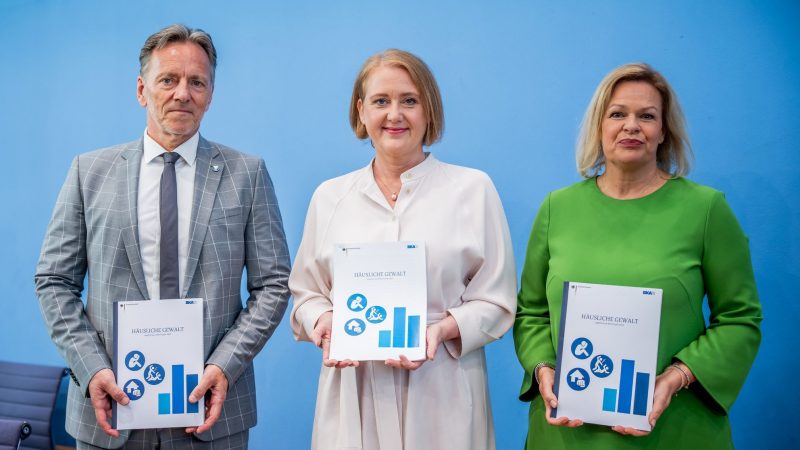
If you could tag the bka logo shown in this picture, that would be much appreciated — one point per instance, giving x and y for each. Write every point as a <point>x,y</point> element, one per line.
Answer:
<point>648,293</point>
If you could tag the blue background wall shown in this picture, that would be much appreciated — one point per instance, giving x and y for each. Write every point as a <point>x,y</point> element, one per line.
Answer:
<point>515,76</point>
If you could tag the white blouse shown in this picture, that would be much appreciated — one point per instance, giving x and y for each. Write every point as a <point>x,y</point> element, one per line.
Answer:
<point>457,212</point>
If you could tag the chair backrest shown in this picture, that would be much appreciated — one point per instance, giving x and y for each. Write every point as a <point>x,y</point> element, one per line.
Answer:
<point>28,392</point>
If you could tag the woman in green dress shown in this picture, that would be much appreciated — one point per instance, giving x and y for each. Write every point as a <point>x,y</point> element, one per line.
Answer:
<point>635,221</point>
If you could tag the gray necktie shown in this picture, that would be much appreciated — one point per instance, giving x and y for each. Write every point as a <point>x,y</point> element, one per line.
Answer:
<point>168,211</point>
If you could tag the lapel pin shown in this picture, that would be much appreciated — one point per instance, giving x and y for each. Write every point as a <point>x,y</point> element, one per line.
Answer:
<point>215,168</point>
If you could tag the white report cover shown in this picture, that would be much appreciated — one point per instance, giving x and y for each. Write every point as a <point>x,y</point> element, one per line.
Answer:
<point>158,361</point>
<point>380,301</point>
<point>607,354</point>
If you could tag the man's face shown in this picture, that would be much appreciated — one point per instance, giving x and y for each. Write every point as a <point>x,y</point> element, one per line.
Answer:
<point>176,89</point>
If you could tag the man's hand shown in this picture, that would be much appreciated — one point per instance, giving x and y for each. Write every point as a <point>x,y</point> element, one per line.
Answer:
<point>213,386</point>
<point>102,389</point>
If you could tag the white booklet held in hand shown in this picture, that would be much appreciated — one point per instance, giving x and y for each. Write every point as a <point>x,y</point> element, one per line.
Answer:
<point>158,361</point>
<point>380,301</point>
<point>607,354</point>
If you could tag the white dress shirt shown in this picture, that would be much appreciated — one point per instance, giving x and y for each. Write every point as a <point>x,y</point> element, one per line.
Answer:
<point>148,208</point>
<point>471,276</point>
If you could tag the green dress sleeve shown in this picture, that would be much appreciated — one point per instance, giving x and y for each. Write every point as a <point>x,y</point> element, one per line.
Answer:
<point>532,331</point>
<point>721,357</point>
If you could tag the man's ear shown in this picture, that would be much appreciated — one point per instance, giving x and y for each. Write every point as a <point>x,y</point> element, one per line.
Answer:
<point>140,91</point>
<point>210,97</point>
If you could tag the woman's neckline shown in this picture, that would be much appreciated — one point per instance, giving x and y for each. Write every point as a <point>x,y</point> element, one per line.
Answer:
<point>647,196</point>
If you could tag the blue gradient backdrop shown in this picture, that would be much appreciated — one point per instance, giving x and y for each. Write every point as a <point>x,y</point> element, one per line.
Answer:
<point>515,77</point>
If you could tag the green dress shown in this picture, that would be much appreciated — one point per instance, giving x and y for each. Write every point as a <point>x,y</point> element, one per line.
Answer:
<point>684,239</point>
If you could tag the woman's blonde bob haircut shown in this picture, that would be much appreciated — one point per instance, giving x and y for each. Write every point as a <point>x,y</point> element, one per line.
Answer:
<point>673,156</point>
<point>423,80</point>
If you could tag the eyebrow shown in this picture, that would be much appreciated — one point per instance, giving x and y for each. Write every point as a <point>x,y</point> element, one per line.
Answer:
<point>173,74</point>
<point>404,94</point>
<point>625,106</point>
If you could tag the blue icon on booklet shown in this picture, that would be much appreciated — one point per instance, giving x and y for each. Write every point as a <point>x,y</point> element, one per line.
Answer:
<point>357,302</point>
<point>134,389</point>
<point>154,374</point>
<point>376,314</point>
<point>134,360</point>
<point>582,348</point>
<point>354,327</point>
<point>578,379</point>
<point>602,366</point>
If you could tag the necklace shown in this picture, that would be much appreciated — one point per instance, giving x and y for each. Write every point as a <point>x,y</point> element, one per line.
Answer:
<point>386,188</point>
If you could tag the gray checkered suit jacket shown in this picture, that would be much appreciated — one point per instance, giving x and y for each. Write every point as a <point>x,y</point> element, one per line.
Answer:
<point>236,224</point>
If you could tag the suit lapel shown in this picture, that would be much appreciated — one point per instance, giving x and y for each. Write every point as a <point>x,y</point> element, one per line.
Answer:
<point>208,172</point>
<point>127,192</point>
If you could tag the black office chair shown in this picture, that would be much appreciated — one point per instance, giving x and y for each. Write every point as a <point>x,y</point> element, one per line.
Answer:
<point>12,432</point>
<point>28,393</point>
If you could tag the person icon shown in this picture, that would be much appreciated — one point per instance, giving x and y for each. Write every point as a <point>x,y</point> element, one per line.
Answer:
<point>602,366</point>
<point>154,374</point>
<point>376,314</point>
<point>357,302</point>
<point>582,348</point>
<point>134,360</point>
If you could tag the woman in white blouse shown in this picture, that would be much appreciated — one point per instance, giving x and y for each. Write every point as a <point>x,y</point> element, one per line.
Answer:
<point>405,194</point>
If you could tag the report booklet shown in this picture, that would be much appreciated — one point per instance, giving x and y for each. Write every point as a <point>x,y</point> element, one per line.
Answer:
<point>607,353</point>
<point>380,301</point>
<point>158,361</point>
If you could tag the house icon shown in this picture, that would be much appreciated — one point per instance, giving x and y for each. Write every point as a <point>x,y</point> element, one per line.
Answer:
<point>354,326</point>
<point>133,389</point>
<point>577,380</point>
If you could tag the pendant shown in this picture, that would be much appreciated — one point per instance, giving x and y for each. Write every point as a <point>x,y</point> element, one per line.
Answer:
<point>394,197</point>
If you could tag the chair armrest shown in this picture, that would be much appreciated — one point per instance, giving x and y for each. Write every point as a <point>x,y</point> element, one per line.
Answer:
<point>13,430</point>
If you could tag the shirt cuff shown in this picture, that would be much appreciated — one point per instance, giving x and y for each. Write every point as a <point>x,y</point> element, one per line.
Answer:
<point>307,315</point>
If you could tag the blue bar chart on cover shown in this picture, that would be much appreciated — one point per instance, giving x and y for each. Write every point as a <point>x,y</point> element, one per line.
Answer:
<point>632,391</point>
<point>404,332</point>
<point>177,401</point>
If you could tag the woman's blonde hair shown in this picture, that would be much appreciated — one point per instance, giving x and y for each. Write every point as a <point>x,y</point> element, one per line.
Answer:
<point>423,80</point>
<point>673,156</point>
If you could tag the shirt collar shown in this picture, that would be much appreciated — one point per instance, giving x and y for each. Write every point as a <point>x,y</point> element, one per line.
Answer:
<point>415,173</point>
<point>187,150</point>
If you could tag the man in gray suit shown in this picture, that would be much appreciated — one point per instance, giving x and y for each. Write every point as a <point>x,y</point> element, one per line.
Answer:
<point>170,215</point>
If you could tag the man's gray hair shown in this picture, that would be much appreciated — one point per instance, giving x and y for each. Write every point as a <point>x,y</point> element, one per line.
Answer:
<point>178,33</point>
